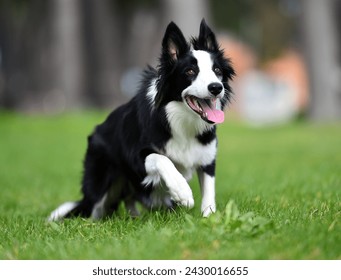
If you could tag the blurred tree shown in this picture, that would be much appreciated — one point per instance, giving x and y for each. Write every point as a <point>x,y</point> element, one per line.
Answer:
<point>64,54</point>
<point>24,50</point>
<point>177,11</point>
<point>101,60</point>
<point>323,52</point>
<point>61,54</point>
<point>67,55</point>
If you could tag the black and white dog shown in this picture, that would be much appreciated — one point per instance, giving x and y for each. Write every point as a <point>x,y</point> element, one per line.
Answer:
<point>148,148</point>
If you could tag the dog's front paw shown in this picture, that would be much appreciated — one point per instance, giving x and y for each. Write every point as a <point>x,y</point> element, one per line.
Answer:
<point>177,185</point>
<point>181,193</point>
<point>206,211</point>
<point>187,202</point>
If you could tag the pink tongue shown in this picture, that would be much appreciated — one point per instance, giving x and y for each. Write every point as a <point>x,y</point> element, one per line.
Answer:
<point>213,115</point>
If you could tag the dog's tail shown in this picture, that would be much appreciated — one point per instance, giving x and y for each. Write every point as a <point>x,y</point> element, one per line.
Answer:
<point>71,209</point>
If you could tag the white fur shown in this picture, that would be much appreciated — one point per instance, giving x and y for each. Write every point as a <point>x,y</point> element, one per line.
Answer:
<point>152,91</point>
<point>207,184</point>
<point>183,148</point>
<point>184,122</point>
<point>61,211</point>
<point>206,76</point>
<point>189,153</point>
<point>99,209</point>
<point>160,166</point>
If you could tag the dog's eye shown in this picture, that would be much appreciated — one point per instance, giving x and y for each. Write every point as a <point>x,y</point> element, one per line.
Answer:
<point>190,72</point>
<point>217,71</point>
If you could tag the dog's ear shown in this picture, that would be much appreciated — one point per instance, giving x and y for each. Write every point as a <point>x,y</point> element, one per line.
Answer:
<point>174,43</point>
<point>206,40</point>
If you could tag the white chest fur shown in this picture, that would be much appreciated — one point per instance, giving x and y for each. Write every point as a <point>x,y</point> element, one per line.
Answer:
<point>183,148</point>
<point>189,153</point>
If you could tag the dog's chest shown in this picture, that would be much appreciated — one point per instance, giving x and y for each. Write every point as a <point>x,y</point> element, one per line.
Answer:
<point>189,153</point>
<point>184,148</point>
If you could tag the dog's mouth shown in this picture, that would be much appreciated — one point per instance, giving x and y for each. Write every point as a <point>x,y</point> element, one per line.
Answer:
<point>206,109</point>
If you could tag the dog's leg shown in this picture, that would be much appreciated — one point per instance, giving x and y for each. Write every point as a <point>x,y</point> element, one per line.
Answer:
<point>207,186</point>
<point>159,167</point>
<point>130,205</point>
<point>110,200</point>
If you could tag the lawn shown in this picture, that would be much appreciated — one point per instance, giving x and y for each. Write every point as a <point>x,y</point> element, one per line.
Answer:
<point>278,196</point>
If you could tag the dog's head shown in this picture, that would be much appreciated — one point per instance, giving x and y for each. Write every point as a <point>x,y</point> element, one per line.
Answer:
<point>195,73</point>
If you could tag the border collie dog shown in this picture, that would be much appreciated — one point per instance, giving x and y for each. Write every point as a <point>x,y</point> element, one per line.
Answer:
<point>147,149</point>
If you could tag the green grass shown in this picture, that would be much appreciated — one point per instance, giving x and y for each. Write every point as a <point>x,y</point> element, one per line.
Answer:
<point>278,196</point>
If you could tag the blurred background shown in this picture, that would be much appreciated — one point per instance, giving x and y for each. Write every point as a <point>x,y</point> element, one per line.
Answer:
<point>62,55</point>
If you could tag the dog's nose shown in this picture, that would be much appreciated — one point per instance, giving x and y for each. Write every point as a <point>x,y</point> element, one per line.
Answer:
<point>215,88</point>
